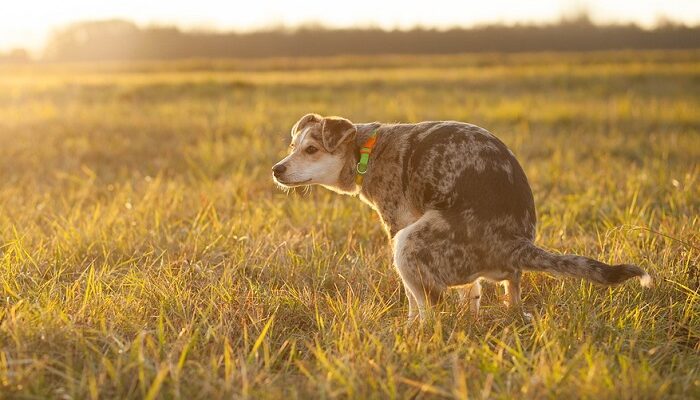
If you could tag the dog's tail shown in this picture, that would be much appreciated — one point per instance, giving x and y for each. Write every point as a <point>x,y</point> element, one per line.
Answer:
<point>529,257</point>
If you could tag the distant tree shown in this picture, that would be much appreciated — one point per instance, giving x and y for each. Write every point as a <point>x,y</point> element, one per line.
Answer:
<point>94,40</point>
<point>15,56</point>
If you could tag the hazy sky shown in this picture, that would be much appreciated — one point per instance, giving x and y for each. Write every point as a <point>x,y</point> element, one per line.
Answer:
<point>27,23</point>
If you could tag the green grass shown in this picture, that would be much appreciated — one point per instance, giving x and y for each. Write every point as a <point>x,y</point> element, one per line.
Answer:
<point>145,252</point>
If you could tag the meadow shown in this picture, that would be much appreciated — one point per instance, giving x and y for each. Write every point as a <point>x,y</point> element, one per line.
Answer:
<point>146,253</point>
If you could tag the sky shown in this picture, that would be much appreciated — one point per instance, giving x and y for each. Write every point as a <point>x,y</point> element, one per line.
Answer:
<point>28,23</point>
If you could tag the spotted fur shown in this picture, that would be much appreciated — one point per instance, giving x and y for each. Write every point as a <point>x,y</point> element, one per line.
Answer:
<point>453,199</point>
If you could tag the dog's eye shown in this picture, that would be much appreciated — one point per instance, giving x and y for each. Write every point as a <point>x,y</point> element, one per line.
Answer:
<point>311,150</point>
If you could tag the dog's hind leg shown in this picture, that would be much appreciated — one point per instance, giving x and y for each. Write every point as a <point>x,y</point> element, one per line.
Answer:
<point>422,294</point>
<point>471,293</point>
<point>512,288</point>
<point>513,293</point>
<point>412,304</point>
<point>414,261</point>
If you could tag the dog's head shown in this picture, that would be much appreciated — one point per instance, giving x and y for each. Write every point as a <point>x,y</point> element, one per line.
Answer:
<point>320,149</point>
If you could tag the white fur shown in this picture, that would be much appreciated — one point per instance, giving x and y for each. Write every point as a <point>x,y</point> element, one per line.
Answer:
<point>304,169</point>
<point>646,280</point>
<point>416,306</point>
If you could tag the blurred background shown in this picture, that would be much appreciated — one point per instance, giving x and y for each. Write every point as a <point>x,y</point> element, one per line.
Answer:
<point>78,30</point>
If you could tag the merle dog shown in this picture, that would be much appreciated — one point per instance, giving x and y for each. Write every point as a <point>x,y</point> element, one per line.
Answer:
<point>452,197</point>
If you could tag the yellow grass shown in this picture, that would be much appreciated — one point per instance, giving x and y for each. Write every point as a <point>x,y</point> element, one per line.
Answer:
<point>145,253</point>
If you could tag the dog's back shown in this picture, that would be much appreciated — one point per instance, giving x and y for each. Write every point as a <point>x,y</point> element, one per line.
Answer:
<point>458,168</point>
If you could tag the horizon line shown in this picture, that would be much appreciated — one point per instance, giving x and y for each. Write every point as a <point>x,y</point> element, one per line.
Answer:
<point>313,24</point>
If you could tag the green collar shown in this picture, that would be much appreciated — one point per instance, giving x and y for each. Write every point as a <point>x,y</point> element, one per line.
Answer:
<point>364,156</point>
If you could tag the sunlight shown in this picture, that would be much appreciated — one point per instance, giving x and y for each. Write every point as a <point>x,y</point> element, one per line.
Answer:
<point>28,23</point>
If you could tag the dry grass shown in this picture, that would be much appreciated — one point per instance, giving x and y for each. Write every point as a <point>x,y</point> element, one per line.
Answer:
<point>145,253</point>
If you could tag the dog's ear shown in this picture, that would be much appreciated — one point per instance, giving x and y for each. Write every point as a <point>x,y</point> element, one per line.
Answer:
<point>335,131</point>
<point>303,121</point>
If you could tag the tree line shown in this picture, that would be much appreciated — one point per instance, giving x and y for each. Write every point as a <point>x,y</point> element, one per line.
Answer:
<point>124,40</point>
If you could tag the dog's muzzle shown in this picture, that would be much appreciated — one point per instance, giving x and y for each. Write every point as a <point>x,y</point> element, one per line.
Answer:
<point>278,170</point>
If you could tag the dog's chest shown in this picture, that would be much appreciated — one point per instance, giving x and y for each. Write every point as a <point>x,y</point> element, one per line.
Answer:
<point>396,214</point>
<point>406,215</point>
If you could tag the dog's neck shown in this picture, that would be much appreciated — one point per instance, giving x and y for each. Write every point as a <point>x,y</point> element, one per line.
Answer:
<point>363,133</point>
<point>346,180</point>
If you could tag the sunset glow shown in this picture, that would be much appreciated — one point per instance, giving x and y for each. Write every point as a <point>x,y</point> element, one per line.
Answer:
<point>28,24</point>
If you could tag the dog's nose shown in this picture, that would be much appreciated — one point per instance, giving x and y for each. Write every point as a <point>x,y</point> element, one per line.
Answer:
<point>279,169</point>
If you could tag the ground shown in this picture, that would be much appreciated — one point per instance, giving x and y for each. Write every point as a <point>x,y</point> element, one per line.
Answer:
<point>146,253</point>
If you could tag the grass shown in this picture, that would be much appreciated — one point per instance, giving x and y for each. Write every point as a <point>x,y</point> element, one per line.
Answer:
<point>145,253</point>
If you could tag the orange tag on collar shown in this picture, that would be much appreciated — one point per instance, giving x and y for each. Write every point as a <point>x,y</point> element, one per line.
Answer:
<point>365,151</point>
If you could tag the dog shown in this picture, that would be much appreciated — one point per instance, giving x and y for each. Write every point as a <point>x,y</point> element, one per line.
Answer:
<point>453,199</point>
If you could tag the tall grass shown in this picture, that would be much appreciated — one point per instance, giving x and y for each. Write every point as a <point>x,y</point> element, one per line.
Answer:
<point>145,253</point>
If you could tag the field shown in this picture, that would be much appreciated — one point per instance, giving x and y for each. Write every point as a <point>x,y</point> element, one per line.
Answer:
<point>146,253</point>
